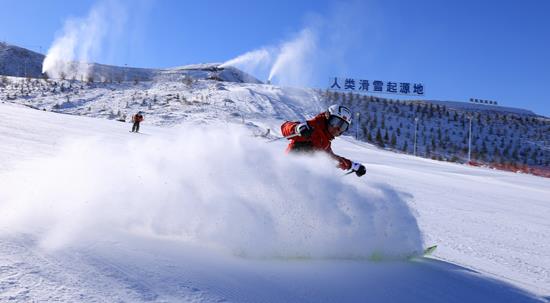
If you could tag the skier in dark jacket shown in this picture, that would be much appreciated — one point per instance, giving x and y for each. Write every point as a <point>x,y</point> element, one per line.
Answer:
<point>137,118</point>
<point>317,133</point>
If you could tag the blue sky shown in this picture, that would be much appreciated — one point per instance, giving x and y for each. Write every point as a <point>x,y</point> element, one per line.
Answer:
<point>459,49</point>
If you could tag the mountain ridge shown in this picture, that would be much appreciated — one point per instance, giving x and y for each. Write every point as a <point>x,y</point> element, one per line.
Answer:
<point>20,62</point>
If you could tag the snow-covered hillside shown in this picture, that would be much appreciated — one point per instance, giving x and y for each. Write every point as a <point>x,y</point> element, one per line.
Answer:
<point>18,61</point>
<point>501,137</point>
<point>208,211</point>
<point>165,102</point>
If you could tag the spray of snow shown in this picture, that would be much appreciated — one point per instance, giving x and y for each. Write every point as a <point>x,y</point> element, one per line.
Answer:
<point>253,62</point>
<point>217,188</point>
<point>287,62</point>
<point>292,64</point>
<point>320,50</point>
<point>82,39</point>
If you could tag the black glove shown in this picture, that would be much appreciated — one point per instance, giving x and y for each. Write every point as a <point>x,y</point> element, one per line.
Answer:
<point>303,130</point>
<point>358,168</point>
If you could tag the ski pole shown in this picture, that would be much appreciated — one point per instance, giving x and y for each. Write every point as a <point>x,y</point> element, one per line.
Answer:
<point>287,137</point>
<point>349,172</point>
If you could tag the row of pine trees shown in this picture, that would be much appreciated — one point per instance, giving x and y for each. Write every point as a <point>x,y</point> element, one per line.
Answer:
<point>442,133</point>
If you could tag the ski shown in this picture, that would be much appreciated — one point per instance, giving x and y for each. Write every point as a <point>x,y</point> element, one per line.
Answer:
<point>425,253</point>
<point>379,257</point>
<point>428,251</point>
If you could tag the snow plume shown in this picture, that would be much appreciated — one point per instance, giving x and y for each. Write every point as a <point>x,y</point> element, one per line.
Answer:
<point>81,41</point>
<point>287,62</point>
<point>326,46</point>
<point>253,62</point>
<point>293,64</point>
<point>216,188</point>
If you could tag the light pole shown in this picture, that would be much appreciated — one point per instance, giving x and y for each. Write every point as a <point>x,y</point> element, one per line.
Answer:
<point>357,127</point>
<point>470,140</point>
<point>415,128</point>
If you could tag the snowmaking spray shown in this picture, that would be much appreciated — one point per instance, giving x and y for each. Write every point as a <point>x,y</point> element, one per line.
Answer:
<point>251,61</point>
<point>81,40</point>
<point>292,65</point>
<point>288,62</point>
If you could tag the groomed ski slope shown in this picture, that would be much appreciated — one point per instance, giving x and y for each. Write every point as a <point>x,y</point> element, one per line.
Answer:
<point>211,213</point>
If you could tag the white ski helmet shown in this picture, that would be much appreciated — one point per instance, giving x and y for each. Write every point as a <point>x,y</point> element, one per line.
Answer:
<point>341,112</point>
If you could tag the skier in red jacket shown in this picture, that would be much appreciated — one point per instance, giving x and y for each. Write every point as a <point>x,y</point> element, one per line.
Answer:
<point>316,134</point>
<point>137,118</point>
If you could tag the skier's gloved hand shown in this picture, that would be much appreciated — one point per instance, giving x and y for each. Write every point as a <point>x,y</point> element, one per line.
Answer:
<point>358,168</point>
<point>304,130</point>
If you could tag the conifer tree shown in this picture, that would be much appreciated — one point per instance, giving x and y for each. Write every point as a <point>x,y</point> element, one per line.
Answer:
<point>379,137</point>
<point>393,140</point>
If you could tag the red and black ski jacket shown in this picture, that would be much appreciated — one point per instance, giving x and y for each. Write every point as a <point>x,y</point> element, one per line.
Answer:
<point>318,141</point>
<point>137,118</point>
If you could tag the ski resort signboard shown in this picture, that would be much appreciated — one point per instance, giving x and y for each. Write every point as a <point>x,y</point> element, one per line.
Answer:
<point>376,86</point>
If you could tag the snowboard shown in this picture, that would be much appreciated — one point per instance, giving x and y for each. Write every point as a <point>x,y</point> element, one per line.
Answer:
<point>428,251</point>
<point>425,253</point>
<point>376,257</point>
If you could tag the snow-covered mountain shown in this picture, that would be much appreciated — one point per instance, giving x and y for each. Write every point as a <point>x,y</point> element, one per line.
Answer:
<point>502,137</point>
<point>202,207</point>
<point>20,62</point>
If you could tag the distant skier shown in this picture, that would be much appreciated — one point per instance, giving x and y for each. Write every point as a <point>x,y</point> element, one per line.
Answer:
<point>137,118</point>
<point>316,134</point>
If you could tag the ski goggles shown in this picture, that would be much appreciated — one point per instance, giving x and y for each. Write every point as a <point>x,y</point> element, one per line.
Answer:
<point>338,122</point>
